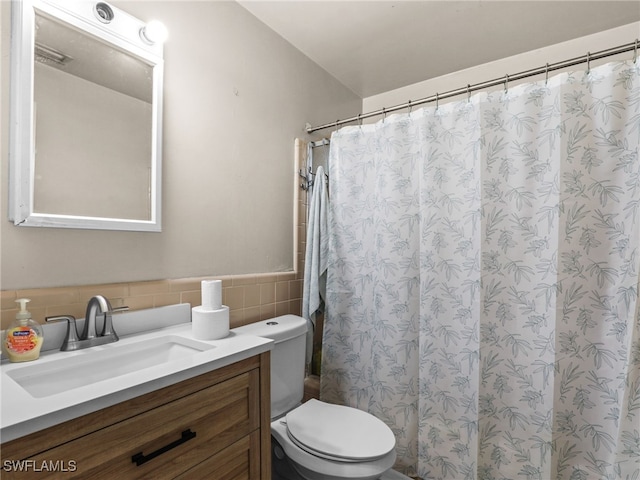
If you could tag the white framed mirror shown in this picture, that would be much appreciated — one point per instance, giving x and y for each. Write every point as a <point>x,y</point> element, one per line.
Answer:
<point>86,117</point>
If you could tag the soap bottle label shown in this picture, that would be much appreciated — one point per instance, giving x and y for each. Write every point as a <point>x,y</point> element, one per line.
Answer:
<point>21,339</point>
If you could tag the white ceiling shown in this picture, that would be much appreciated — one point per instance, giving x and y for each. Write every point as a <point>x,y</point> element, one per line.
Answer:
<point>377,46</point>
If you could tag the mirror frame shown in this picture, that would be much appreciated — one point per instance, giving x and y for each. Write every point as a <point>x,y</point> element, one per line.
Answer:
<point>123,34</point>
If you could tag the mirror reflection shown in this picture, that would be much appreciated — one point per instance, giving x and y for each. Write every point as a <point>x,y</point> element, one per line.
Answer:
<point>92,106</point>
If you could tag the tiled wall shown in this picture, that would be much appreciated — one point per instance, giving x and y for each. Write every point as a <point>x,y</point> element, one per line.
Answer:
<point>250,297</point>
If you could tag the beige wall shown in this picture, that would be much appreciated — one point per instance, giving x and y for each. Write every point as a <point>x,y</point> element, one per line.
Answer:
<point>250,297</point>
<point>510,65</point>
<point>236,96</point>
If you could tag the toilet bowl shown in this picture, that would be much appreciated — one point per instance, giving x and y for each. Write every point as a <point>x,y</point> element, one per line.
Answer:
<point>331,442</point>
<point>317,440</point>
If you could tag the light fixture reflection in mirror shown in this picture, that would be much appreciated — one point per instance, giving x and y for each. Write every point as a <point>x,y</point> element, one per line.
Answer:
<point>86,152</point>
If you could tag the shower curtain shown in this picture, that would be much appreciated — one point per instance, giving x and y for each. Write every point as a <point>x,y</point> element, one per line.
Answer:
<point>483,280</point>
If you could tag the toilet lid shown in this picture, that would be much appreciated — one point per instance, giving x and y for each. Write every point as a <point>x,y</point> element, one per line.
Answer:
<point>339,433</point>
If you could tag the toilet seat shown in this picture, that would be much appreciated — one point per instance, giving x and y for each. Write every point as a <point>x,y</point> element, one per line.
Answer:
<point>312,467</point>
<point>339,433</point>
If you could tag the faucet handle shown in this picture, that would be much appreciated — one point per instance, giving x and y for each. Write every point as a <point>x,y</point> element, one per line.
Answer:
<point>107,329</point>
<point>71,338</point>
<point>119,309</point>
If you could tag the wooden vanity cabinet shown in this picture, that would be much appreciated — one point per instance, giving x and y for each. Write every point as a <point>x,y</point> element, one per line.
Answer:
<point>214,426</point>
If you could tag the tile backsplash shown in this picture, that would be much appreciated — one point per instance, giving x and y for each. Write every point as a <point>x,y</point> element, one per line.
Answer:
<point>250,298</point>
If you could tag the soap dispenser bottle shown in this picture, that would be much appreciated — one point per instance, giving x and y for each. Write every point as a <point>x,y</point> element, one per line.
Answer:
<point>23,339</point>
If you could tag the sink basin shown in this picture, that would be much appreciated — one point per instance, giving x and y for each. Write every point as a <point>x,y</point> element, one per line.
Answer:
<point>92,365</point>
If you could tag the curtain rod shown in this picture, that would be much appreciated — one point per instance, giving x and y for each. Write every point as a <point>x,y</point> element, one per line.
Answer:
<point>489,83</point>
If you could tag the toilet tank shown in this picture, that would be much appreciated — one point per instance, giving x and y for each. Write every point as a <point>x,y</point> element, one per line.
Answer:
<point>287,359</point>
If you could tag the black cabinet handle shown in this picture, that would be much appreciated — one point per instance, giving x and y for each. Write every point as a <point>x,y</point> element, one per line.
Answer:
<point>140,459</point>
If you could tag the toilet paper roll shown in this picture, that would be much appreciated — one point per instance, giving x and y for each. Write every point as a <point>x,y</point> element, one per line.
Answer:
<point>211,292</point>
<point>210,324</point>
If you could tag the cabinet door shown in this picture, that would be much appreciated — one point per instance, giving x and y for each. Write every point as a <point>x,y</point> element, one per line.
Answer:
<point>240,461</point>
<point>212,418</point>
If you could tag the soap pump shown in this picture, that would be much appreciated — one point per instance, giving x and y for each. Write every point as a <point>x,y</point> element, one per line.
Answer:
<point>23,339</point>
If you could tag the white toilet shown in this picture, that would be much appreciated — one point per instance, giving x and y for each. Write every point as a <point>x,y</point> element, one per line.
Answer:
<point>317,440</point>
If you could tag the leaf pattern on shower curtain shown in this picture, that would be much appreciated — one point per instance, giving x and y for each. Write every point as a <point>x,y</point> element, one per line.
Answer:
<point>483,281</point>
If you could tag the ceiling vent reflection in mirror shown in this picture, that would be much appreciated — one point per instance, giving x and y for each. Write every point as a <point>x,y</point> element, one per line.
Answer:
<point>46,54</point>
<point>97,75</point>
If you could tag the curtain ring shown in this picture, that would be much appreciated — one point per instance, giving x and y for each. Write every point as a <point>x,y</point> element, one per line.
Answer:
<point>635,52</point>
<point>546,75</point>
<point>468,92</point>
<point>506,83</point>
<point>384,114</point>
<point>410,106</point>
<point>360,120</point>
<point>437,100</point>
<point>588,63</point>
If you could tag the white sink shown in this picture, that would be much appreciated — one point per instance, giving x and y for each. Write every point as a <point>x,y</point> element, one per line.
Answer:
<point>95,364</point>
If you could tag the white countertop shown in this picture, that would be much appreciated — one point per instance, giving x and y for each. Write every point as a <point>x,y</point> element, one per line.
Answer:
<point>22,414</point>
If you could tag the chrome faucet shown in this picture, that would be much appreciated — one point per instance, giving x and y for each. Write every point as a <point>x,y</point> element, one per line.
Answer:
<point>98,305</point>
